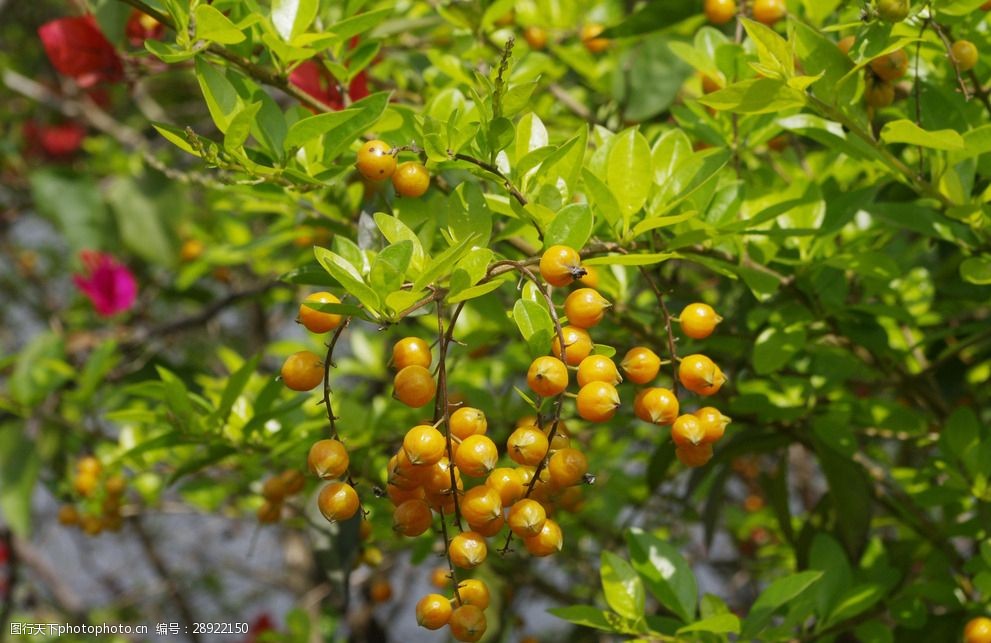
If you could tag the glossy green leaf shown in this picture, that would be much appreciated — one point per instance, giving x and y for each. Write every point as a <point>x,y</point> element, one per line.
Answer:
<point>665,573</point>
<point>906,131</point>
<point>214,26</point>
<point>349,278</point>
<point>622,587</point>
<point>572,226</point>
<point>629,171</point>
<point>307,129</point>
<point>777,594</point>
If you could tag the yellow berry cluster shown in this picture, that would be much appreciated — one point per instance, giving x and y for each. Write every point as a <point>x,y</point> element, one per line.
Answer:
<point>275,490</point>
<point>105,494</point>
<point>377,162</point>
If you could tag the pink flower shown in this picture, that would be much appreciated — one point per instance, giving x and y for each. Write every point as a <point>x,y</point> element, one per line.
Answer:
<point>108,284</point>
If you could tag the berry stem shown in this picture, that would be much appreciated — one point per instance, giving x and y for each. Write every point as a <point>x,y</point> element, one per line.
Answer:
<point>447,552</point>
<point>667,327</point>
<point>328,361</point>
<point>442,410</point>
<point>492,169</point>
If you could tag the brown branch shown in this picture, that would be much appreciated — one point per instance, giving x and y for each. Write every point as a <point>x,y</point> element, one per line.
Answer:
<point>492,169</point>
<point>667,327</point>
<point>442,410</point>
<point>942,33</point>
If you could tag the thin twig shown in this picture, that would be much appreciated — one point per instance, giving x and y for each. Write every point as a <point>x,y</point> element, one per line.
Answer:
<point>492,169</point>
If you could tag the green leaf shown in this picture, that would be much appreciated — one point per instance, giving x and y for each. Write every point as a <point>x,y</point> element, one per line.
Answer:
<point>775,347</point>
<point>653,223</point>
<point>622,587</point>
<point>443,264</point>
<point>642,259</point>
<point>665,572</point>
<point>586,616</point>
<point>976,270</point>
<point>776,595</point>
<point>74,204</point>
<point>717,624</point>
<point>19,465</point>
<point>390,266</point>
<point>141,222</point>
<point>755,96</point>
<point>773,51</point>
<point>293,17</point>
<point>346,275</point>
<point>906,131</point>
<point>854,601</point>
<point>234,387</point>
<point>344,134</point>
<point>535,325</point>
<point>311,127</point>
<point>221,98</point>
<point>571,226</point>
<point>602,197</point>
<point>475,292</point>
<point>395,231</point>
<point>653,16</point>
<point>36,372</point>
<point>517,98</point>
<point>361,23</point>
<point>629,171</point>
<point>214,26</point>
<point>240,127</point>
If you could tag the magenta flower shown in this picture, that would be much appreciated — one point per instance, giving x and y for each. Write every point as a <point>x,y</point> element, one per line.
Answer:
<point>108,284</point>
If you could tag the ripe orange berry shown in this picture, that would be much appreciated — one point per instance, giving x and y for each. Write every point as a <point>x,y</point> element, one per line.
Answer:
<point>507,483</point>
<point>547,376</point>
<point>68,515</point>
<point>769,11</point>
<point>526,518</point>
<point>535,37</point>
<point>879,93</point>
<point>292,481</point>
<point>411,351</point>
<point>467,550</point>
<point>713,423</point>
<point>567,467</point>
<point>698,320</point>
<point>656,405</point>
<point>562,437</point>
<point>91,525</point>
<point>468,421</point>
<point>376,161</point>
<point>191,250</point>
<point>411,179</point>
<point>694,456</point>
<point>467,623</point>
<point>577,345</point>
<point>473,591</point>
<point>476,456</point>
<point>314,320</point>
<point>598,368</point>
<point>890,66</point>
<point>641,365</point>
<point>414,386</point>
<point>549,541</point>
<point>699,374</point>
<point>423,444</point>
<point>591,277</point>
<point>977,630</point>
<point>399,495</point>
<point>560,265</point>
<point>328,459</point>
<point>687,431</point>
<point>527,445</point>
<point>115,485</point>
<point>585,307</point>
<point>439,479</point>
<point>893,10</point>
<point>302,371</point>
<point>440,577</point>
<point>846,44</point>
<point>412,518</point>
<point>433,611</point>
<point>85,483</point>
<point>89,465</point>
<point>590,39</point>
<point>273,489</point>
<point>490,528</point>
<point>719,12</point>
<point>481,505</point>
<point>380,591</point>
<point>597,401</point>
<point>338,501</point>
<point>963,53</point>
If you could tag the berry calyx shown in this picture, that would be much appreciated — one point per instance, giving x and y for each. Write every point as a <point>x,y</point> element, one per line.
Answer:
<point>719,12</point>
<point>699,374</point>
<point>424,445</point>
<point>433,611</point>
<point>577,345</point>
<point>328,459</point>
<point>585,307</point>
<point>598,368</point>
<point>640,365</point>
<point>597,401</point>
<point>526,518</point>
<point>411,179</point>
<point>963,53</point>
<point>468,421</point>
<point>468,550</point>
<point>549,541</point>
<point>376,161</point>
<point>656,405</point>
<point>687,431</point>
<point>698,320</point>
<point>302,371</point>
<point>411,351</point>
<point>560,265</point>
<point>314,320</point>
<point>414,386</point>
<point>467,623</point>
<point>547,376</point>
<point>338,501</point>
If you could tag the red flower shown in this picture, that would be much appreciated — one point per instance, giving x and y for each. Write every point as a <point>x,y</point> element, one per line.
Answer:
<point>56,142</point>
<point>314,79</point>
<point>261,624</point>
<point>141,27</point>
<point>79,50</point>
<point>108,284</point>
